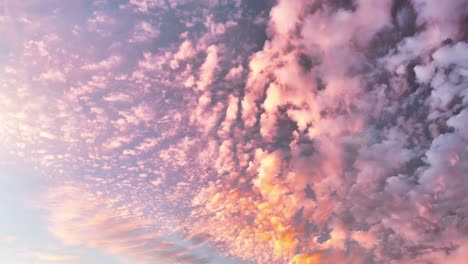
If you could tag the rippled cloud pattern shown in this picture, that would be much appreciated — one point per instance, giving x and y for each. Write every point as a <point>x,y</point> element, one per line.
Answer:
<point>214,131</point>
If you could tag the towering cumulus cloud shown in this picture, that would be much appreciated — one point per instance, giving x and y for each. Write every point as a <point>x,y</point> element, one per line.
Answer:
<point>289,131</point>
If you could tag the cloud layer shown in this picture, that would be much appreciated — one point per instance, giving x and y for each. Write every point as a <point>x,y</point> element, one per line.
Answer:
<point>271,132</point>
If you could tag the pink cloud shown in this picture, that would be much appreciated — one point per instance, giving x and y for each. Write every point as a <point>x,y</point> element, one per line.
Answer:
<point>53,76</point>
<point>144,31</point>
<point>208,69</point>
<point>345,142</point>
<point>105,64</point>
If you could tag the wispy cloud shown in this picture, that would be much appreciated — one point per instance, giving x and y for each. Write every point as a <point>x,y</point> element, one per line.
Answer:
<point>52,258</point>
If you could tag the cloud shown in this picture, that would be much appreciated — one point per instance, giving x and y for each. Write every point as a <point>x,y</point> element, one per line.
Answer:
<point>80,217</point>
<point>106,64</point>
<point>48,257</point>
<point>235,73</point>
<point>337,135</point>
<point>208,68</point>
<point>186,51</point>
<point>142,5</point>
<point>346,177</point>
<point>144,31</point>
<point>53,76</point>
<point>101,23</point>
<point>10,238</point>
<point>117,97</point>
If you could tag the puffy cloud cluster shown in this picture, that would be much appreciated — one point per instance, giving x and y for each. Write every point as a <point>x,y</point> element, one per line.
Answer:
<point>358,122</point>
<point>288,132</point>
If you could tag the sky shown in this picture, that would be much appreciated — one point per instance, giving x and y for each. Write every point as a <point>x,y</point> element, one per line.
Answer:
<point>234,131</point>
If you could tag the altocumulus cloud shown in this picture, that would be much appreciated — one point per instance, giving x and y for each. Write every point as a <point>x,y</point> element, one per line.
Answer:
<point>286,131</point>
